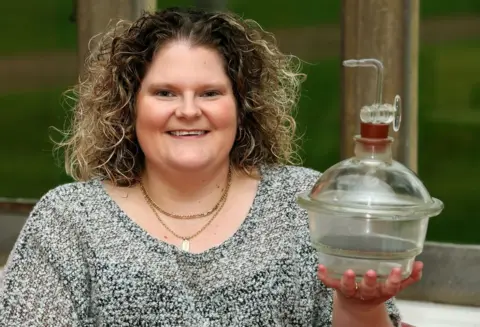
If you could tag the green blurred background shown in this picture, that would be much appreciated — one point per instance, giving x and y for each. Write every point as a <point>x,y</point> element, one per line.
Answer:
<point>449,100</point>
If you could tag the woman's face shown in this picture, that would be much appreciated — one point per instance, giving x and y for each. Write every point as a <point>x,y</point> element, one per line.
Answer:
<point>186,110</point>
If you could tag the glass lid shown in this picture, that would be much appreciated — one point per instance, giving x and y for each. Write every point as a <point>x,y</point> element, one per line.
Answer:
<point>371,184</point>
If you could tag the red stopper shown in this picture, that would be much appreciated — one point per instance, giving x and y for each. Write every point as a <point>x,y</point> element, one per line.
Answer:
<point>374,131</point>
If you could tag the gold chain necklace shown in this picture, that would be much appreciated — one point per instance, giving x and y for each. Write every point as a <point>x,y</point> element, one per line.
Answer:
<point>186,239</point>
<point>191,216</point>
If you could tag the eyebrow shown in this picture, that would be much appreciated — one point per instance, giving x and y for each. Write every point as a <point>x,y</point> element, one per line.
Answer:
<point>157,85</point>
<point>210,85</point>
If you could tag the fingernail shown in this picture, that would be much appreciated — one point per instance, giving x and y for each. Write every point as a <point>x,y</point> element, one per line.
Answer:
<point>397,271</point>
<point>350,273</point>
<point>321,270</point>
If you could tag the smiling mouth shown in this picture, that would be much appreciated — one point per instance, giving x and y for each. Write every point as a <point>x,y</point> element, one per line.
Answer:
<point>187,133</point>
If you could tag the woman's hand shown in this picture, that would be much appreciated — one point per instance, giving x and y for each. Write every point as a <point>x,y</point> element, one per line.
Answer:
<point>369,292</point>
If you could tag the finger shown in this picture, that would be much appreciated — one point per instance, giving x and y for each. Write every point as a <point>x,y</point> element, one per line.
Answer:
<point>327,280</point>
<point>417,268</point>
<point>393,283</point>
<point>368,286</point>
<point>415,276</point>
<point>348,285</point>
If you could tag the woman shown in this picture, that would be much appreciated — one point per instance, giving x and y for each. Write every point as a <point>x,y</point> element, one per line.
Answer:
<point>183,212</point>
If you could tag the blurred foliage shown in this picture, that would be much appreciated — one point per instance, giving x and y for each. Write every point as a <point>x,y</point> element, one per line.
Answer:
<point>449,103</point>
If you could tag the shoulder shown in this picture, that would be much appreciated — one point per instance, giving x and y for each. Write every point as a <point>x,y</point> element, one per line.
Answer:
<point>282,184</point>
<point>292,179</point>
<point>71,191</point>
<point>64,204</point>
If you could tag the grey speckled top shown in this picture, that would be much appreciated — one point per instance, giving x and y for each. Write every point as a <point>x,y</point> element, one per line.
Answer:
<point>80,261</point>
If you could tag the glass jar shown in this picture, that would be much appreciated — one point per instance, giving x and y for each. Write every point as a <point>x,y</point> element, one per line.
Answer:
<point>370,211</point>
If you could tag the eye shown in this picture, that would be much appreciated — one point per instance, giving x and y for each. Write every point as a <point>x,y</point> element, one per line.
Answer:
<point>164,93</point>
<point>211,94</point>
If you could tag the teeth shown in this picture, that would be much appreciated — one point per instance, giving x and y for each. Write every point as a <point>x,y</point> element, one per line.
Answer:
<point>184,133</point>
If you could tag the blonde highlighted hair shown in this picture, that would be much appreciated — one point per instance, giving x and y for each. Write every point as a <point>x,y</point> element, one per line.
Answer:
<point>100,141</point>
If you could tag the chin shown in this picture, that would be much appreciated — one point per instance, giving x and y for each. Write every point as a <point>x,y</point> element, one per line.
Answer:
<point>191,165</point>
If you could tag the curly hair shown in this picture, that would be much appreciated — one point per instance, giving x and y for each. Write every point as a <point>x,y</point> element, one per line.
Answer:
<point>101,140</point>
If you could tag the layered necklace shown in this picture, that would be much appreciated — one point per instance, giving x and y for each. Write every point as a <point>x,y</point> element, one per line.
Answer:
<point>185,246</point>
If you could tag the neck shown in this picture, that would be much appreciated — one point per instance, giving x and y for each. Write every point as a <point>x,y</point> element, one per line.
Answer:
<point>184,192</point>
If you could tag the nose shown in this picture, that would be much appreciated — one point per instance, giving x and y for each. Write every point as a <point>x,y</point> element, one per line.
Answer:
<point>188,108</point>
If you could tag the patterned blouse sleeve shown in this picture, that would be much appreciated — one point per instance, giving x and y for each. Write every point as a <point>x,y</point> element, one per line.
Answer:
<point>45,280</point>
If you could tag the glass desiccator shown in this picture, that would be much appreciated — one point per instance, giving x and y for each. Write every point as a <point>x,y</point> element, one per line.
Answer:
<point>370,211</point>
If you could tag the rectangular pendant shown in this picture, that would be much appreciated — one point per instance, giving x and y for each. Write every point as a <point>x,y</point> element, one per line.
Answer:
<point>185,245</point>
